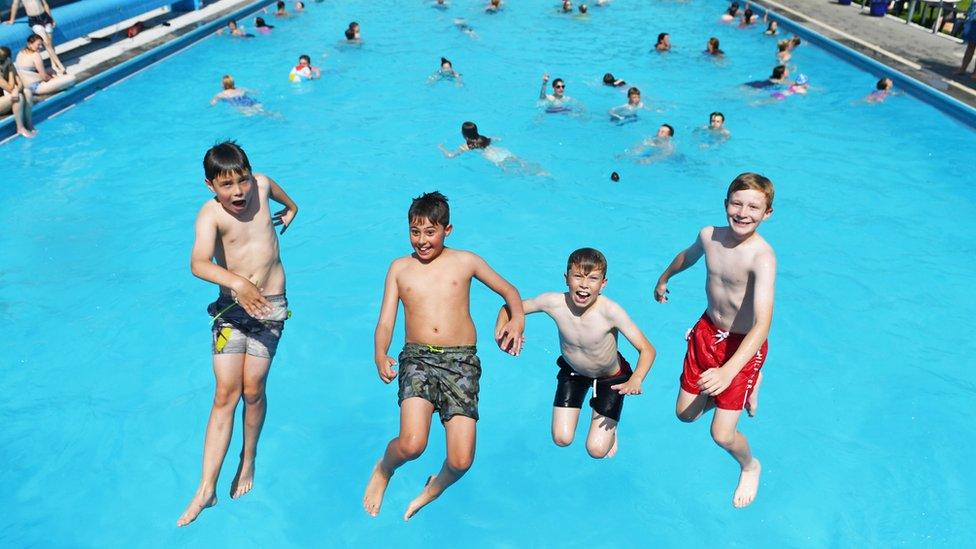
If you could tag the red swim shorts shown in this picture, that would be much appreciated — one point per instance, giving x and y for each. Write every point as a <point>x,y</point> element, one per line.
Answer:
<point>709,347</point>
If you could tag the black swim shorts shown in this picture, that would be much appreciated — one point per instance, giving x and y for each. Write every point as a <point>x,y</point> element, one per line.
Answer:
<point>571,389</point>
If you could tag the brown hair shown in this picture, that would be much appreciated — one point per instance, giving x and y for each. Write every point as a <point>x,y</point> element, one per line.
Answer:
<point>228,82</point>
<point>588,260</point>
<point>755,182</point>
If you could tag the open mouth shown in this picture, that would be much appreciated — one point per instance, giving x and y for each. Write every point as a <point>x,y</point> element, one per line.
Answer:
<point>581,296</point>
<point>239,203</point>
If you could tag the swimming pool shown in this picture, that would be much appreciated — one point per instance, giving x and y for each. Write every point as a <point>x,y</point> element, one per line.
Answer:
<point>868,398</point>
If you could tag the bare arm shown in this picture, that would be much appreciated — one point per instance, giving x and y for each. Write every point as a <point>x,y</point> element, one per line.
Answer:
<point>621,320</point>
<point>542,92</point>
<point>451,154</point>
<point>13,11</point>
<point>384,326</point>
<point>39,66</point>
<point>529,306</point>
<point>509,337</point>
<point>685,258</point>
<point>202,266</point>
<point>283,217</point>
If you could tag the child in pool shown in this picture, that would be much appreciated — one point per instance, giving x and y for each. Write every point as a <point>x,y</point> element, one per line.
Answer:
<point>663,42</point>
<point>446,72</point>
<point>800,86</point>
<point>727,346</point>
<point>712,48</point>
<point>783,54</point>
<point>731,13</point>
<point>440,4</point>
<point>261,26</point>
<point>439,369</point>
<point>776,79</point>
<point>628,111</point>
<point>773,28</point>
<point>655,148</point>
<point>280,10</point>
<point>501,157</point>
<point>494,6</point>
<point>748,19</point>
<point>588,326</point>
<point>610,80</point>
<point>236,247</point>
<point>352,34</point>
<point>299,6</point>
<point>304,70</point>
<point>882,90</point>
<point>234,96</point>
<point>567,6</point>
<point>233,30</point>
<point>558,102</point>
<point>715,132</point>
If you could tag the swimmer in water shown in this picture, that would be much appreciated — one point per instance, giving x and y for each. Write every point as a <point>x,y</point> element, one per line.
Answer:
<point>610,80</point>
<point>463,26</point>
<point>558,101</point>
<point>280,10</point>
<point>882,90</point>
<point>304,70</point>
<point>655,148</point>
<point>494,6</point>
<point>352,34</point>
<point>773,28</point>
<point>712,48</point>
<point>663,42</point>
<point>783,54</point>
<point>261,26</point>
<point>748,19</point>
<point>715,133</point>
<point>233,30</point>
<point>567,6</point>
<point>446,72</point>
<point>777,78</point>
<point>503,158</point>
<point>299,6</point>
<point>239,98</point>
<point>583,15</point>
<point>800,87</point>
<point>628,112</point>
<point>731,13</point>
<point>440,5</point>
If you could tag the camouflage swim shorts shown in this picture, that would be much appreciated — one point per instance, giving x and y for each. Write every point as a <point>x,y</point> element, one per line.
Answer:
<point>447,377</point>
<point>234,331</point>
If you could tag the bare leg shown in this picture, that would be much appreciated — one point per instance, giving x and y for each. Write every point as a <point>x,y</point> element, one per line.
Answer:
<point>55,60</point>
<point>564,422</point>
<point>967,57</point>
<point>602,440</point>
<point>255,408</point>
<point>17,107</point>
<point>228,369</point>
<point>28,105</point>
<point>408,445</point>
<point>752,405</point>
<point>725,435</point>
<point>691,407</point>
<point>461,432</point>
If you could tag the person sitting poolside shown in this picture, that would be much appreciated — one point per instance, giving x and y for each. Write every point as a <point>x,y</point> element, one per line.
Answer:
<point>731,13</point>
<point>503,158</point>
<point>304,70</point>
<point>628,112</point>
<point>494,6</point>
<point>883,89</point>
<point>610,80</point>
<point>262,26</point>
<point>777,78</point>
<point>30,66</point>
<point>655,148</point>
<point>280,10</point>
<point>41,21</point>
<point>663,42</point>
<point>712,48</point>
<point>445,72</point>
<point>233,30</point>
<point>14,97</point>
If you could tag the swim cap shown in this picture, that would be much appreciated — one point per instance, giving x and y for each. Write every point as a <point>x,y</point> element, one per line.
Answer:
<point>802,79</point>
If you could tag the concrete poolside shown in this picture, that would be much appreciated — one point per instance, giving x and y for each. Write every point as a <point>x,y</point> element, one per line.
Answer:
<point>914,50</point>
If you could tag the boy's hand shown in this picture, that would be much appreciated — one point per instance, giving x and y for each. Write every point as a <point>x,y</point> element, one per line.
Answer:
<point>384,366</point>
<point>249,297</point>
<point>545,77</point>
<point>661,292</point>
<point>509,337</point>
<point>283,218</point>
<point>631,387</point>
<point>715,380</point>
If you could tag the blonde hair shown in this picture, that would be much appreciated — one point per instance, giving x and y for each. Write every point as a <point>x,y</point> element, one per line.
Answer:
<point>228,82</point>
<point>753,181</point>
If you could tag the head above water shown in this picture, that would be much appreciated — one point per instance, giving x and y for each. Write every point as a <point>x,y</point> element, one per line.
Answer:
<point>773,25</point>
<point>473,138</point>
<point>228,82</point>
<point>733,9</point>
<point>431,207</point>
<point>280,5</point>
<point>259,22</point>
<point>226,158</point>
<point>713,45</point>
<point>884,84</point>
<point>582,8</point>
<point>779,72</point>
<point>587,260</point>
<point>350,34</point>
<point>716,119</point>
<point>755,182</point>
<point>446,63</point>
<point>665,129</point>
<point>633,93</point>
<point>304,59</point>
<point>661,38</point>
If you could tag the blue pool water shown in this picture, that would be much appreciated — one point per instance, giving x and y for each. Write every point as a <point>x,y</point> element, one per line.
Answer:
<point>866,425</point>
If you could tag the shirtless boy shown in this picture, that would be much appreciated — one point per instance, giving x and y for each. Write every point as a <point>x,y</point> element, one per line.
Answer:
<point>588,325</point>
<point>236,248</point>
<point>439,367</point>
<point>727,347</point>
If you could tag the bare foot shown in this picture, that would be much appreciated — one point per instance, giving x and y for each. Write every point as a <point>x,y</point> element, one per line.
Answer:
<point>613,449</point>
<point>745,492</point>
<point>243,480</point>
<point>752,405</point>
<point>27,133</point>
<point>425,497</point>
<point>375,490</point>
<point>197,504</point>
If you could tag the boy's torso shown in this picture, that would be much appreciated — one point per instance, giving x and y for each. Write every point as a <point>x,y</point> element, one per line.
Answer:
<point>436,298</point>
<point>729,286</point>
<point>588,342</point>
<point>248,246</point>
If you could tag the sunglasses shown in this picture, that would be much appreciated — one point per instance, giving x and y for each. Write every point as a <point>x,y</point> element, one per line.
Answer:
<point>559,86</point>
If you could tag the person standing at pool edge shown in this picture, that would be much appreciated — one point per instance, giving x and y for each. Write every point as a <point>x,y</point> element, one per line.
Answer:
<point>236,247</point>
<point>439,367</point>
<point>727,346</point>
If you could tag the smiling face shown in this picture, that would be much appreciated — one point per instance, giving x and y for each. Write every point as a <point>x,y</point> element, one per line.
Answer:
<point>233,190</point>
<point>427,238</point>
<point>584,288</point>
<point>745,210</point>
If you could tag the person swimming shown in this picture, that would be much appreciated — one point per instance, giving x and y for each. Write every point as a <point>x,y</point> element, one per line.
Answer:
<point>777,78</point>
<point>663,42</point>
<point>653,149</point>
<point>262,26</point>
<point>567,6</point>
<point>610,80</point>
<point>731,13</point>
<point>494,6</point>
<point>238,98</point>
<point>304,70</point>
<point>503,158</point>
<point>235,31</point>
<point>463,26</point>
<point>440,5</point>
<point>715,133</point>
<point>712,48</point>
<point>800,86</point>
<point>772,29</point>
<point>748,19</point>
<point>883,89</point>
<point>627,112</point>
<point>445,72</point>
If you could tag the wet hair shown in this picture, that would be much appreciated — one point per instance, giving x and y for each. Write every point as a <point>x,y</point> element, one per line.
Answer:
<point>778,72</point>
<point>232,22</point>
<point>350,34</point>
<point>299,4</point>
<point>752,181</point>
<point>227,81</point>
<point>474,139</point>
<point>353,25</point>
<point>881,83</point>
<point>431,206</point>
<point>608,79</point>
<point>259,22</point>
<point>783,45</point>
<point>280,5</point>
<point>225,158</point>
<point>633,90</point>
<point>670,129</point>
<point>558,81</point>
<point>713,44</point>
<point>582,8</point>
<point>4,55</point>
<point>304,57</point>
<point>660,38</point>
<point>733,9</point>
<point>747,15</point>
<point>771,25</point>
<point>796,41</point>
<point>587,260</point>
<point>448,61</point>
<point>716,113</point>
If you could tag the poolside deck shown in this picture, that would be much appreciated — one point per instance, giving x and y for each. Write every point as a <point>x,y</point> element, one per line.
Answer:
<point>911,49</point>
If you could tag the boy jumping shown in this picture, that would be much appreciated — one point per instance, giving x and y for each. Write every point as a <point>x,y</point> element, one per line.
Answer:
<point>439,367</point>
<point>588,325</point>
<point>727,347</point>
<point>236,247</point>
